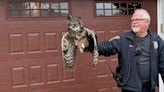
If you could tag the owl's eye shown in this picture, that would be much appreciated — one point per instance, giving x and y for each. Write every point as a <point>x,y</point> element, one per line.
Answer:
<point>81,28</point>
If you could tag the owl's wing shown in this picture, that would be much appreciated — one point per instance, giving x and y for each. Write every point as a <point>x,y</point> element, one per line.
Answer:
<point>68,52</point>
<point>92,39</point>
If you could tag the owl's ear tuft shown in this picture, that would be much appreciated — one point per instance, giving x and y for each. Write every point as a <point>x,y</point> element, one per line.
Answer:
<point>69,17</point>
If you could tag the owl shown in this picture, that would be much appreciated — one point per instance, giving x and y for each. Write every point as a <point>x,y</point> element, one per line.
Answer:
<point>87,41</point>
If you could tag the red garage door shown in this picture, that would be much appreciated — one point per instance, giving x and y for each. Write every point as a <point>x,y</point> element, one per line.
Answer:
<point>30,52</point>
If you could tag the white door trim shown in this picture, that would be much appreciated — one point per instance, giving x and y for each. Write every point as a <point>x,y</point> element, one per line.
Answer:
<point>160,32</point>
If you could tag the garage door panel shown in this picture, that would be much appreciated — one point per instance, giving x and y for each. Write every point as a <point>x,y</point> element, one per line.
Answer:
<point>36,75</point>
<point>18,77</point>
<point>113,32</point>
<point>34,43</point>
<point>53,73</point>
<point>102,69</point>
<point>115,89</point>
<point>101,35</point>
<point>107,87</point>
<point>68,76</point>
<point>51,41</point>
<point>103,90</point>
<point>16,43</point>
<point>126,30</point>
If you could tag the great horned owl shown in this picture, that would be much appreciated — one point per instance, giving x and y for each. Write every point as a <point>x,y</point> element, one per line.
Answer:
<point>86,38</point>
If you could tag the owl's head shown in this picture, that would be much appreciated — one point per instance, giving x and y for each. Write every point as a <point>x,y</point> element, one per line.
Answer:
<point>75,26</point>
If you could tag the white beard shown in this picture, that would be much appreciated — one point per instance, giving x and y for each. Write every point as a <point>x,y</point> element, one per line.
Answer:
<point>135,29</point>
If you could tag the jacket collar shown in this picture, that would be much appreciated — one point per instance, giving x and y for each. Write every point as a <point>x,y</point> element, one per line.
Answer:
<point>131,35</point>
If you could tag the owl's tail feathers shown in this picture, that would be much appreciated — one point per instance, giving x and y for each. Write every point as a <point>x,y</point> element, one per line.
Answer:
<point>69,66</point>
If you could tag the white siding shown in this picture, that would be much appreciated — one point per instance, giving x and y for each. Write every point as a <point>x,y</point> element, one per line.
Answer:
<point>161,33</point>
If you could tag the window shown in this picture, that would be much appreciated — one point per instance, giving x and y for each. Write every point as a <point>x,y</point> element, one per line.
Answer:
<point>116,8</point>
<point>22,8</point>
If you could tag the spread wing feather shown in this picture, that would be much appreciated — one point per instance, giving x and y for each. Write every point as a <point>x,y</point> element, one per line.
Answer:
<point>93,45</point>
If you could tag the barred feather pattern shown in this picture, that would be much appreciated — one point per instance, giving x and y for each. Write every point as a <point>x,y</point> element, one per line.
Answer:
<point>68,52</point>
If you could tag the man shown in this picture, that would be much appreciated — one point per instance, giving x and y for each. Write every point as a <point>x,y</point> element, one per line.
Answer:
<point>140,54</point>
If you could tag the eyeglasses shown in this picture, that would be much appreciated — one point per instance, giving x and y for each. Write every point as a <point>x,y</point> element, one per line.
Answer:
<point>137,20</point>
